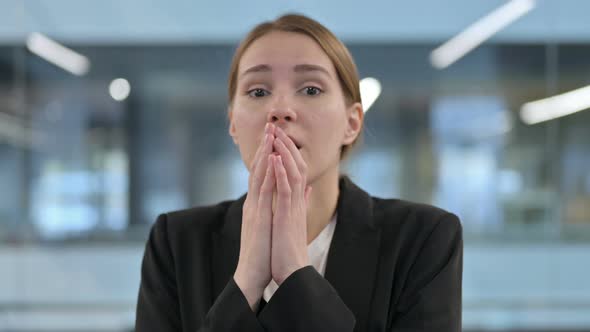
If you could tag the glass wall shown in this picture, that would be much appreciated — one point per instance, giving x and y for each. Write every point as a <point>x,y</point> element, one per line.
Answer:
<point>81,164</point>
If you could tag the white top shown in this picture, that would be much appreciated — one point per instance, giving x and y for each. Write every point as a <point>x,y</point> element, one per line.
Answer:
<point>317,251</point>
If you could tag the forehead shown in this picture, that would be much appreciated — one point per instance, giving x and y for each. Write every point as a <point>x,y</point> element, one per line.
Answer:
<point>284,50</point>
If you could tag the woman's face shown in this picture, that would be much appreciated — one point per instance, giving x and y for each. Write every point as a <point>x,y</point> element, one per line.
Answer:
<point>286,78</point>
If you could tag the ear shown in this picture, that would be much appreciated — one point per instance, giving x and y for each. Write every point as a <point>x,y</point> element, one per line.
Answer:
<point>232,128</point>
<point>354,123</point>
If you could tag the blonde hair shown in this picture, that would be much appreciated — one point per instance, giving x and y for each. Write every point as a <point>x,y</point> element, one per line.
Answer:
<point>331,45</point>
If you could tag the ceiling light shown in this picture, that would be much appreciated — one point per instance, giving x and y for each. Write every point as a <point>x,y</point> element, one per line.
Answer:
<point>370,91</point>
<point>119,89</point>
<point>478,32</point>
<point>58,54</point>
<point>556,106</point>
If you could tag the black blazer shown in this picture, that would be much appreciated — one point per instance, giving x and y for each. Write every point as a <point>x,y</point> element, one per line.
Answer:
<point>392,266</point>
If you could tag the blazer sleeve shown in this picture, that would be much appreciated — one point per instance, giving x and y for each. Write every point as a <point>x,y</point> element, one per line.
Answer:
<point>158,305</point>
<point>306,301</point>
<point>431,298</point>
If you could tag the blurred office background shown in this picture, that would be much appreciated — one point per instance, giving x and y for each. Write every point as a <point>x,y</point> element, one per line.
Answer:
<point>112,112</point>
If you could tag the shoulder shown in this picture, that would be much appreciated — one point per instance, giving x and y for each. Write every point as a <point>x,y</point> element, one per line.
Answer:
<point>199,219</point>
<point>414,221</point>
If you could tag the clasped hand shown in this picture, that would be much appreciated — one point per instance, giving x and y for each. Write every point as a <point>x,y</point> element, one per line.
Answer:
<point>274,228</point>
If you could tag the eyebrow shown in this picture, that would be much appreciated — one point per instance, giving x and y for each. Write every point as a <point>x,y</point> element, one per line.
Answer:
<point>302,68</point>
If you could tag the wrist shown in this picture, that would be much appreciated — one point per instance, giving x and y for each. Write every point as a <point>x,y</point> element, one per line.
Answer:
<point>252,293</point>
<point>248,281</point>
<point>280,281</point>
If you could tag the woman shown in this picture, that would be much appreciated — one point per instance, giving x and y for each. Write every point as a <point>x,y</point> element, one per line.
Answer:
<point>305,249</point>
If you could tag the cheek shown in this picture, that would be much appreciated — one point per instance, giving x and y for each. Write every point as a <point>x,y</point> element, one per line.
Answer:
<point>245,119</point>
<point>328,124</point>
<point>249,128</point>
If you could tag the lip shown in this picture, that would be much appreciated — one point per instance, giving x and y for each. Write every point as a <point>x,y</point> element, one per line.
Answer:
<point>295,142</point>
<point>297,145</point>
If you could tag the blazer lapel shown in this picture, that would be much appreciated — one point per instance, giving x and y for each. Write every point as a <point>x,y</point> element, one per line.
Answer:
<point>226,247</point>
<point>351,267</point>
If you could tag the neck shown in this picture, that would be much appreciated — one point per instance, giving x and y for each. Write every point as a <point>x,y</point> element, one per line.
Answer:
<point>322,203</point>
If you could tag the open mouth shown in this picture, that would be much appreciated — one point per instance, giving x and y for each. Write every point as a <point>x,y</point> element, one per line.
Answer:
<point>297,145</point>
<point>274,151</point>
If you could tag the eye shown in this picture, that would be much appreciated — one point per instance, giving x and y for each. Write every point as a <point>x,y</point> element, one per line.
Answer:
<point>312,91</point>
<point>257,93</point>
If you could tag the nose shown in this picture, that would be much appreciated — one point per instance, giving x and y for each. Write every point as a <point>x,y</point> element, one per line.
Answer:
<point>281,112</point>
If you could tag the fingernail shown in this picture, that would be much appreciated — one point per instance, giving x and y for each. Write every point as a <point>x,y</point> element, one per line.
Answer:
<point>266,127</point>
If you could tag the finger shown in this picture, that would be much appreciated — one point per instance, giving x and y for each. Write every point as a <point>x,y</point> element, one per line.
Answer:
<point>255,160</point>
<point>266,191</point>
<point>259,153</point>
<point>283,190</point>
<point>296,179</point>
<point>307,195</point>
<point>257,175</point>
<point>278,132</point>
